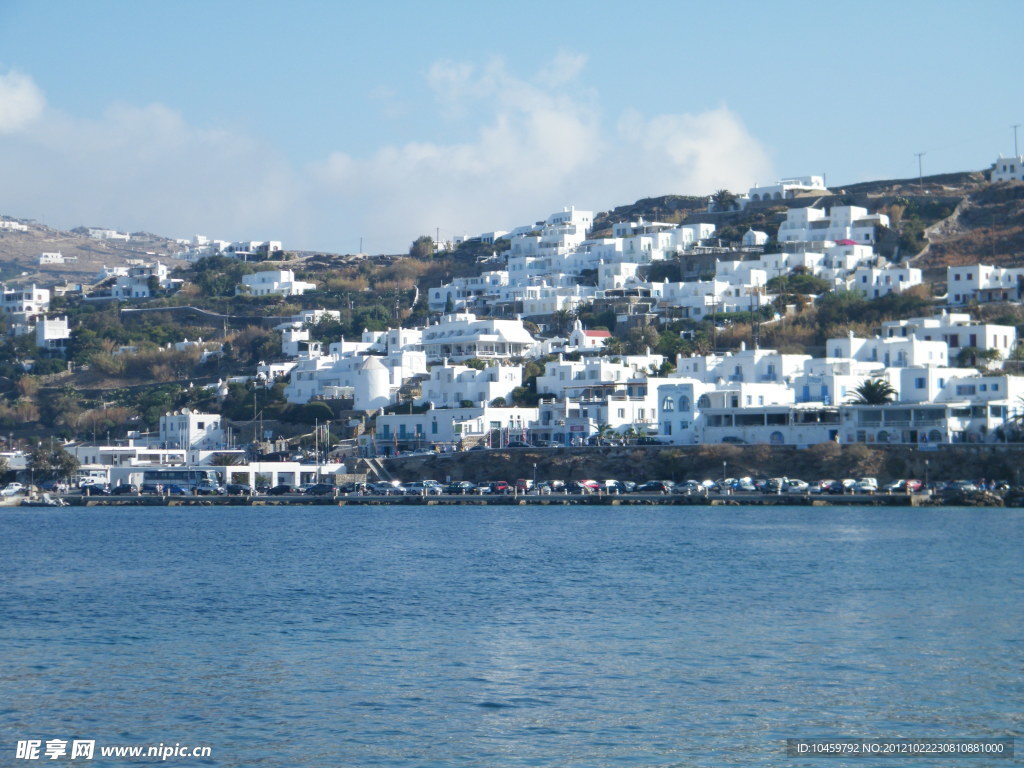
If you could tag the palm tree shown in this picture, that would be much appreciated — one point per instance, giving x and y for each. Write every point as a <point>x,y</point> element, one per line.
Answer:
<point>873,392</point>
<point>723,200</point>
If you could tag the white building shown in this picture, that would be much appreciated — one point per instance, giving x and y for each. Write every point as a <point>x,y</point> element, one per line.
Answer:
<point>296,342</point>
<point>13,226</point>
<point>1008,169</point>
<point>462,336</point>
<point>874,282</point>
<point>572,378</point>
<point>55,258</point>
<point>752,238</point>
<point>467,292</point>
<point>97,233</point>
<point>958,330</point>
<point>840,223</point>
<point>584,340</point>
<point>192,432</point>
<point>449,386</point>
<point>274,282</point>
<point>980,283</point>
<point>894,352</point>
<point>29,300</point>
<point>787,189</point>
<point>140,281</point>
<point>351,375</point>
<point>52,334</point>
<point>452,427</point>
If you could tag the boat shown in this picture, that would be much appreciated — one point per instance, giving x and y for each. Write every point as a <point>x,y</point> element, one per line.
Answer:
<point>46,500</point>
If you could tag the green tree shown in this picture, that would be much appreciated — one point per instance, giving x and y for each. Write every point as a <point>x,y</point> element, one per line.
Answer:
<point>973,356</point>
<point>724,200</point>
<point>873,392</point>
<point>804,284</point>
<point>52,464</point>
<point>422,247</point>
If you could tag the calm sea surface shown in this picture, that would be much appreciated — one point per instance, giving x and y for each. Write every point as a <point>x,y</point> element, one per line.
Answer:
<point>508,636</point>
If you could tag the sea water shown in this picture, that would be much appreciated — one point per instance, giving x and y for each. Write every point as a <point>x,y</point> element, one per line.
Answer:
<point>507,636</point>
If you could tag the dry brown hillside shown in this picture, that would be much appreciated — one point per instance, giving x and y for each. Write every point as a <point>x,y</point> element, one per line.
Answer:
<point>19,254</point>
<point>987,227</point>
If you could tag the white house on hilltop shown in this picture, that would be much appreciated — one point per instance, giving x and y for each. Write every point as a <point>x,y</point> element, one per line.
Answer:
<point>1008,169</point>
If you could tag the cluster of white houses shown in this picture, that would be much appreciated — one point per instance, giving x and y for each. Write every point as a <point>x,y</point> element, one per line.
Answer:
<point>746,397</point>
<point>750,396</point>
<point>461,373</point>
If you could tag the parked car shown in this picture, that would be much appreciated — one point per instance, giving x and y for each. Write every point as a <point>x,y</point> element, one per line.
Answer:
<point>280,490</point>
<point>237,489</point>
<point>12,489</point>
<point>124,490</point>
<point>688,488</point>
<point>795,485</point>
<point>389,488</point>
<point>459,488</point>
<point>618,486</point>
<point>517,444</point>
<point>499,486</point>
<point>320,489</point>
<point>962,486</point>
<point>585,486</point>
<point>655,486</point>
<point>424,488</point>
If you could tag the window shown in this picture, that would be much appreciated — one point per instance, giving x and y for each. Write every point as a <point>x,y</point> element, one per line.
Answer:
<point>668,404</point>
<point>919,382</point>
<point>684,403</point>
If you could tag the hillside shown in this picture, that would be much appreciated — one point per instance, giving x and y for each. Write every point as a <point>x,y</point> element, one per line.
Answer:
<point>19,254</point>
<point>986,227</point>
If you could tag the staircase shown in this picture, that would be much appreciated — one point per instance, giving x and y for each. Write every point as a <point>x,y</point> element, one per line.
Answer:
<point>374,468</point>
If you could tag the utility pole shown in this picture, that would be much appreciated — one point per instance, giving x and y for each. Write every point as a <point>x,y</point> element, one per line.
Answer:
<point>1015,152</point>
<point>920,174</point>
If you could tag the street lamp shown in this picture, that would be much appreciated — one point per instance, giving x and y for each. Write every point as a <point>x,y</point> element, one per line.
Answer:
<point>725,470</point>
<point>535,478</point>
<point>926,490</point>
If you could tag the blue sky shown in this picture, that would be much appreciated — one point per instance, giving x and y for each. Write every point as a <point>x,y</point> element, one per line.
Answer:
<point>320,123</point>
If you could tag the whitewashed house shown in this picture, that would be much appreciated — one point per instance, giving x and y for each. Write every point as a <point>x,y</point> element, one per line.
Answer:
<point>451,427</point>
<point>787,189</point>
<point>841,223</point>
<point>449,386</point>
<point>191,431</point>
<point>584,340</point>
<point>874,282</point>
<point>462,336</point>
<point>958,330</point>
<point>52,334</point>
<point>274,282</point>
<point>1008,169</point>
<point>982,284</point>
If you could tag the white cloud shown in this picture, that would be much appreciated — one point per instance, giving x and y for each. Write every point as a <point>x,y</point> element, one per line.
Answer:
<point>21,102</point>
<point>525,148</point>
<point>539,146</point>
<point>145,168</point>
